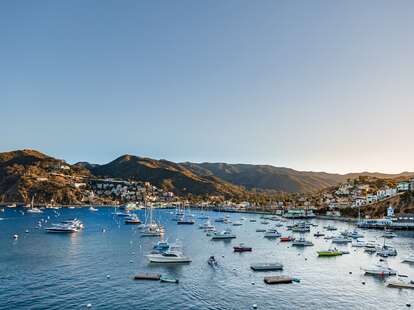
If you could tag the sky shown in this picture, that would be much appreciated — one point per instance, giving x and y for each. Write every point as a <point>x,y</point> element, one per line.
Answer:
<point>310,85</point>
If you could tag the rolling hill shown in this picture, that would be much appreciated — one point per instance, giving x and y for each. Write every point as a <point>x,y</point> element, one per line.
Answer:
<point>28,173</point>
<point>165,174</point>
<point>24,173</point>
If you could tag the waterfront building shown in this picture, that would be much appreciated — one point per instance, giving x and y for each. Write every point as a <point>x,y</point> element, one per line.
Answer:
<point>403,186</point>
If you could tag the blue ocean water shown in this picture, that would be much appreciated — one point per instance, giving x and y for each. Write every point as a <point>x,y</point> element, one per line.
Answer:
<point>58,271</point>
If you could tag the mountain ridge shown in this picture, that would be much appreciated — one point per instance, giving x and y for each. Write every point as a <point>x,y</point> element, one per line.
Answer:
<point>24,173</point>
<point>252,177</point>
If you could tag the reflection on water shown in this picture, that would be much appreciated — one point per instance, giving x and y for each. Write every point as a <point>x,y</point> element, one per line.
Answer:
<point>43,271</point>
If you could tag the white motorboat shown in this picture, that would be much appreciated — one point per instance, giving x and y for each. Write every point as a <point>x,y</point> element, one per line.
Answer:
<point>162,246</point>
<point>358,244</point>
<point>13,205</point>
<point>61,228</point>
<point>132,220</point>
<point>399,283</point>
<point>66,226</point>
<point>352,234</point>
<point>169,256</point>
<point>409,259</point>
<point>75,222</point>
<point>380,269</point>
<point>237,223</point>
<point>173,254</point>
<point>341,240</point>
<point>272,233</point>
<point>93,209</point>
<point>34,210</point>
<point>122,214</point>
<point>225,234</point>
<point>301,227</point>
<point>389,235</point>
<point>302,242</point>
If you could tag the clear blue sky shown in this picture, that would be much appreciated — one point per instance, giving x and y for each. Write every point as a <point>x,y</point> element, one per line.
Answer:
<point>312,85</point>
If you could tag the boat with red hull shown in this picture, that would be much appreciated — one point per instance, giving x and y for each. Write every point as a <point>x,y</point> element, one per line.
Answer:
<point>242,248</point>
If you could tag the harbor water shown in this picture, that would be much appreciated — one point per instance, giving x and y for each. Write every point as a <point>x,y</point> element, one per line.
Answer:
<point>94,267</point>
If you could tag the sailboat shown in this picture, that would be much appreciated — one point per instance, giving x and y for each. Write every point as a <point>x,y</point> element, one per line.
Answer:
<point>207,226</point>
<point>386,250</point>
<point>185,219</point>
<point>51,205</point>
<point>32,208</point>
<point>179,213</point>
<point>151,228</point>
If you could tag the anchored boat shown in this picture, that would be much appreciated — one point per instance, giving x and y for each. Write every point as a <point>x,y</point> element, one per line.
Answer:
<point>173,255</point>
<point>266,266</point>
<point>329,253</point>
<point>380,269</point>
<point>225,234</point>
<point>242,248</point>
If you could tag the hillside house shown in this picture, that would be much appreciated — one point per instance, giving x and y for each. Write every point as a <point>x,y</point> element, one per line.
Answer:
<point>403,186</point>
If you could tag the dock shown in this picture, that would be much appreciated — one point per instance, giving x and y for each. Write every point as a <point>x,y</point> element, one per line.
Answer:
<point>278,280</point>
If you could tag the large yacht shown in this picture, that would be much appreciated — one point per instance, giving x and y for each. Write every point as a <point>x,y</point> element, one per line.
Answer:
<point>61,228</point>
<point>67,226</point>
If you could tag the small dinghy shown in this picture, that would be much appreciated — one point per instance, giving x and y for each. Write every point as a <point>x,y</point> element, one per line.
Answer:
<point>148,276</point>
<point>401,284</point>
<point>287,239</point>
<point>168,279</point>
<point>278,280</point>
<point>212,261</point>
<point>242,248</point>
